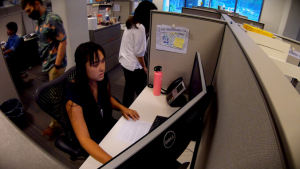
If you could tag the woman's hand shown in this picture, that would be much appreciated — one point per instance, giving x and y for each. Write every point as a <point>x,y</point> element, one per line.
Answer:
<point>146,70</point>
<point>130,113</point>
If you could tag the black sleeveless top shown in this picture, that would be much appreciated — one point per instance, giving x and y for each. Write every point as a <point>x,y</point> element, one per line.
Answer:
<point>98,123</point>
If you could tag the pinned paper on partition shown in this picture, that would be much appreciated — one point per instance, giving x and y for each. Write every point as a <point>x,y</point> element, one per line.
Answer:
<point>171,38</point>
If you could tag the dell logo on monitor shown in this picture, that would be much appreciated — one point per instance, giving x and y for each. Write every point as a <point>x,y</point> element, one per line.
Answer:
<point>169,139</point>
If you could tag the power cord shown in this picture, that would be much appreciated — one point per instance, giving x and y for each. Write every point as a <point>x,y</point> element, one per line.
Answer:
<point>190,150</point>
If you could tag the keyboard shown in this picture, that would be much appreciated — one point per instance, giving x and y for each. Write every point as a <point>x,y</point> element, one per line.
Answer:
<point>157,122</point>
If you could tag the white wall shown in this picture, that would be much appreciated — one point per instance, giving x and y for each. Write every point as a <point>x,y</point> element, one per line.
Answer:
<point>284,16</point>
<point>73,14</point>
<point>293,21</point>
<point>271,14</point>
<point>159,4</point>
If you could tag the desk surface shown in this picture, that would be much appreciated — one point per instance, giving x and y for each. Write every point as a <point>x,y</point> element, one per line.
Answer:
<point>148,106</point>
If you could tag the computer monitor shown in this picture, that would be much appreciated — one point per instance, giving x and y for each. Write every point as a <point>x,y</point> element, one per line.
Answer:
<point>161,147</point>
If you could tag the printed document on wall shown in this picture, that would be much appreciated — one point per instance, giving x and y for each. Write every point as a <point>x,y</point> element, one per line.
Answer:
<point>172,39</point>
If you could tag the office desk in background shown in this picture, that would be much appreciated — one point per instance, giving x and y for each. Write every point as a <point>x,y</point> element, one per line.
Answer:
<point>30,51</point>
<point>148,106</point>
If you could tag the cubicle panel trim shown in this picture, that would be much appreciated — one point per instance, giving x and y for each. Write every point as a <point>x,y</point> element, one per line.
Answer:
<point>281,97</point>
<point>188,15</point>
<point>288,39</point>
<point>200,9</point>
<point>248,20</point>
<point>201,12</point>
<point>205,8</point>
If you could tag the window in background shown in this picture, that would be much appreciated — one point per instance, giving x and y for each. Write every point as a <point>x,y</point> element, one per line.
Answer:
<point>166,5</point>
<point>191,3</point>
<point>176,5</point>
<point>228,5</point>
<point>250,8</point>
<point>206,3</point>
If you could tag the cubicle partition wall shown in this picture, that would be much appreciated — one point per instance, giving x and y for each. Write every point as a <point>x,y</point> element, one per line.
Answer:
<point>239,128</point>
<point>205,39</point>
<point>253,120</point>
<point>201,12</point>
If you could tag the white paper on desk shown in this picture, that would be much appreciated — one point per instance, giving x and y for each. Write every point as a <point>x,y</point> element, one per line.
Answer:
<point>132,131</point>
<point>116,7</point>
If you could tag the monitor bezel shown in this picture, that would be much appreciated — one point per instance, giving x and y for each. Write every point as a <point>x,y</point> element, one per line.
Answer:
<point>142,142</point>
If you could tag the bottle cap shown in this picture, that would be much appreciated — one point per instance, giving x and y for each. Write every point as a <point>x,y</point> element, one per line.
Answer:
<point>157,68</point>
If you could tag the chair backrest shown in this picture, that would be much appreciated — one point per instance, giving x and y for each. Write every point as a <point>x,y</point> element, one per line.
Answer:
<point>50,98</point>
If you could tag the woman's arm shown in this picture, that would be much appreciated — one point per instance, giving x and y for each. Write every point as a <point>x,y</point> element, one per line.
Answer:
<point>127,113</point>
<point>79,126</point>
<point>142,62</point>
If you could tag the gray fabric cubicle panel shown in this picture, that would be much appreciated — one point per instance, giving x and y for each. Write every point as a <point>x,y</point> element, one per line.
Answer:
<point>201,12</point>
<point>7,86</point>
<point>240,132</point>
<point>205,36</point>
<point>18,151</point>
<point>247,21</point>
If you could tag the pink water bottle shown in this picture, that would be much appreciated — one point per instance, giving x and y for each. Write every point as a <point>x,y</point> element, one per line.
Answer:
<point>157,80</point>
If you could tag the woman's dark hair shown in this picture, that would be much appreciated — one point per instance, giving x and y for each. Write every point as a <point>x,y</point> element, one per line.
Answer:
<point>12,26</point>
<point>30,2</point>
<point>141,15</point>
<point>85,52</point>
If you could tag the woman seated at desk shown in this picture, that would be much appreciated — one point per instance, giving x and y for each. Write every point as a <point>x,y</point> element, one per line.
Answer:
<point>89,102</point>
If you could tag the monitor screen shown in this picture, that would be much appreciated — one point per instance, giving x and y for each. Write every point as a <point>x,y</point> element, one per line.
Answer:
<point>161,147</point>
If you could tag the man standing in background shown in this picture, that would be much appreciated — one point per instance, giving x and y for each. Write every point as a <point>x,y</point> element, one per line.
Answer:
<point>51,43</point>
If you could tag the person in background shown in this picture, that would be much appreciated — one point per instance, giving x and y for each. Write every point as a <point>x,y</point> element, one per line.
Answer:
<point>51,43</point>
<point>132,51</point>
<point>13,40</point>
<point>89,102</point>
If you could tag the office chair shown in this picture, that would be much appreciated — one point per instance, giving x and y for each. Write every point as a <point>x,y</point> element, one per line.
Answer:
<point>49,97</point>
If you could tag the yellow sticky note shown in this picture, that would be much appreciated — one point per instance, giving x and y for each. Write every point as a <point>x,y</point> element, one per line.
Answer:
<point>178,43</point>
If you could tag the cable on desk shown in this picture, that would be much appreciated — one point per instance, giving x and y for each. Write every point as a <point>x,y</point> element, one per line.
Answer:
<point>162,91</point>
<point>190,150</point>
